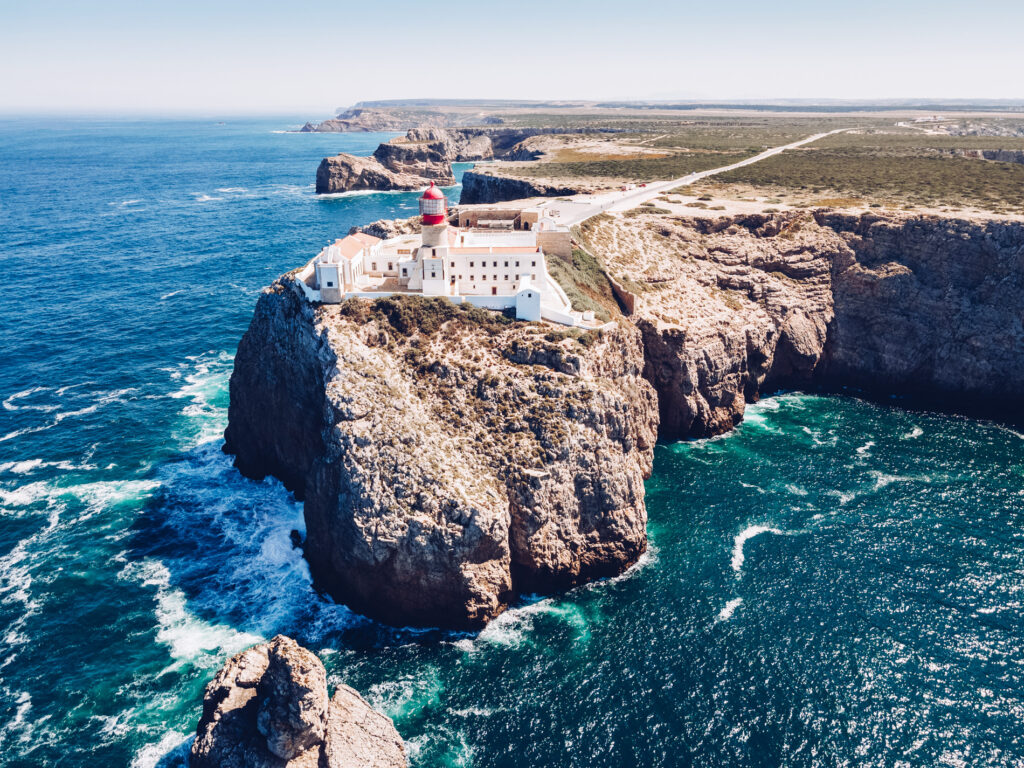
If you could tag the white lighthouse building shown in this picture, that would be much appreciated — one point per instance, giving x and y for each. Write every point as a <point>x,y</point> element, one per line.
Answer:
<point>497,270</point>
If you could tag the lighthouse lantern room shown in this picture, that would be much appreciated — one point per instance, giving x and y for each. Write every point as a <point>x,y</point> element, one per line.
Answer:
<point>433,215</point>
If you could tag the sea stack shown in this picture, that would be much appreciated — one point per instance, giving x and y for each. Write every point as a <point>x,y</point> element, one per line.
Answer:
<point>269,706</point>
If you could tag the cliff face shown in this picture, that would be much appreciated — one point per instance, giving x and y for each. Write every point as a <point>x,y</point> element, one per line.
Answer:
<point>423,155</point>
<point>269,706</point>
<point>730,307</point>
<point>930,307</point>
<point>484,188</point>
<point>448,459</point>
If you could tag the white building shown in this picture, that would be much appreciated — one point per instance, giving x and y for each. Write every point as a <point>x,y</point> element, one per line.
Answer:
<point>496,270</point>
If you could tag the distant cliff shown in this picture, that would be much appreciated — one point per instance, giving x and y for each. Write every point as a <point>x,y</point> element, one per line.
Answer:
<point>423,155</point>
<point>487,188</point>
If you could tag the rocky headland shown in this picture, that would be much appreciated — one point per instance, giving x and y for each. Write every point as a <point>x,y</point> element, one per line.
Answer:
<point>731,307</point>
<point>269,708</point>
<point>450,459</point>
<point>423,155</point>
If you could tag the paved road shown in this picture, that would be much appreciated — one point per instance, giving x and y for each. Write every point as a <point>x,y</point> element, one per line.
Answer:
<point>583,207</point>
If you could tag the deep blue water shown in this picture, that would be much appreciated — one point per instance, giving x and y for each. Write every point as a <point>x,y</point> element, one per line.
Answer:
<point>834,583</point>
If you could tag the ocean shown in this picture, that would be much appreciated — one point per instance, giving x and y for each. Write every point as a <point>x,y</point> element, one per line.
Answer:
<point>836,582</point>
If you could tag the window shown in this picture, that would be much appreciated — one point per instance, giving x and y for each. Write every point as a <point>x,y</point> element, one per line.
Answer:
<point>529,295</point>
<point>330,284</point>
<point>517,263</point>
<point>495,277</point>
<point>405,271</point>
<point>471,278</point>
<point>391,266</point>
<point>373,266</point>
<point>494,264</point>
<point>433,274</point>
<point>533,263</point>
<point>506,267</point>
<point>452,265</point>
<point>483,277</point>
<point>506,277</point>
<point>472,263</point>
<point>460,277</point>
<point>533,277</point>
<point>494,291</point>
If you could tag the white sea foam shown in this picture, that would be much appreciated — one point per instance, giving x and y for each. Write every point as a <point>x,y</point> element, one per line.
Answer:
<point>729,608</point>
<point>743,537</point>
<point>26,466</point>
<point>189,638</point>
<point>172,293</point>
<point>12,404</point>
<point>230,190</point>
<point>171,751</point>
<point>206,198</point>
<point>866,448</point>
<point>915,432</point>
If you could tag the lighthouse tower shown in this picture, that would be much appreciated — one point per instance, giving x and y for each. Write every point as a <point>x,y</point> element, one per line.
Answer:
<point>434,216</point>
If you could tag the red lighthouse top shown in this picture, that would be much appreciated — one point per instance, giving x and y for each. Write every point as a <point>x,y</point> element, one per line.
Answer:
<point>433,206</point>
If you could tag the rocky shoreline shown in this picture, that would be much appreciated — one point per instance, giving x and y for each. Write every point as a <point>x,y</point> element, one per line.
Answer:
<point>422,156</point>
<point>535,480</point>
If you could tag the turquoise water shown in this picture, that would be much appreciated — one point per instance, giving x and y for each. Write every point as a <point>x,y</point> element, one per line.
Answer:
<point>834,583</point>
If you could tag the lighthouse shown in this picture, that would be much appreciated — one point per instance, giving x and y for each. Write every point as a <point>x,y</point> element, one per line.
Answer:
<point>433,215</point>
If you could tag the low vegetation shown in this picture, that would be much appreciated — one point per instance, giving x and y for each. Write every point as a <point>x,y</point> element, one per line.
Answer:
<point>585,283</point>
<point>409,315</point>
<point>904,169</point>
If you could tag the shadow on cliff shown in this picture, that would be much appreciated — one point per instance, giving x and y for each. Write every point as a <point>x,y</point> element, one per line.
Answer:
<point>224,555</point>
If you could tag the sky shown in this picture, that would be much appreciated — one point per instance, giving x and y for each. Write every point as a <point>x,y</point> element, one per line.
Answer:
<point>311,57</point>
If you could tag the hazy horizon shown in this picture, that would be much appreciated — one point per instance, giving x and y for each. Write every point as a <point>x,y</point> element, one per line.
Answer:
<point>116,57</point>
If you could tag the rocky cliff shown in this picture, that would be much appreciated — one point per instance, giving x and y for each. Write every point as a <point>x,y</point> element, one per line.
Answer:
<point>730,307</point>
<point>269,707</point>
<point>480,187</point>
<point>423,155</point>
<point>448,458</point>
<point>996,155</point>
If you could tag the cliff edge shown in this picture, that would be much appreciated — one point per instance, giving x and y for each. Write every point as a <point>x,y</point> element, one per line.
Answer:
<point>449,458</point>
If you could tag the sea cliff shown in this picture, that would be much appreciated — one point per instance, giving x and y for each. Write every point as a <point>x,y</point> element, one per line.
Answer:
<point>480,187</point>
<point>450,459</point>
<point>731,307</point>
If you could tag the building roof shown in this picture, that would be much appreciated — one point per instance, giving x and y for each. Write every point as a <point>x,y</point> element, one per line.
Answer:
<point>352,245</point>
<point>368,240</point>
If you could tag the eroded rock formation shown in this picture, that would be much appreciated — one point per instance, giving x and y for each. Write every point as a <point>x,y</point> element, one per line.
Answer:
<point>732,306</point>
<point>269,708</point>
<point>448,458</point>
<point>423,155</point>
<point>478,187</point>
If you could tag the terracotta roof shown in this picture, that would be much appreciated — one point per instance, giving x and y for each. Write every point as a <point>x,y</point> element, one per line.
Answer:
<point>367,240</point>
<point>351,246</point>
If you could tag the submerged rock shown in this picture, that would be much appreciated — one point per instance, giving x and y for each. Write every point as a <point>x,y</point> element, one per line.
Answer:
<point>269,707</point>
<point>448,458</point>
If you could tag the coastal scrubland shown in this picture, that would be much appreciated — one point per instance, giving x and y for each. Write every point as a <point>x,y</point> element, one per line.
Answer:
<point>908,169</point>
